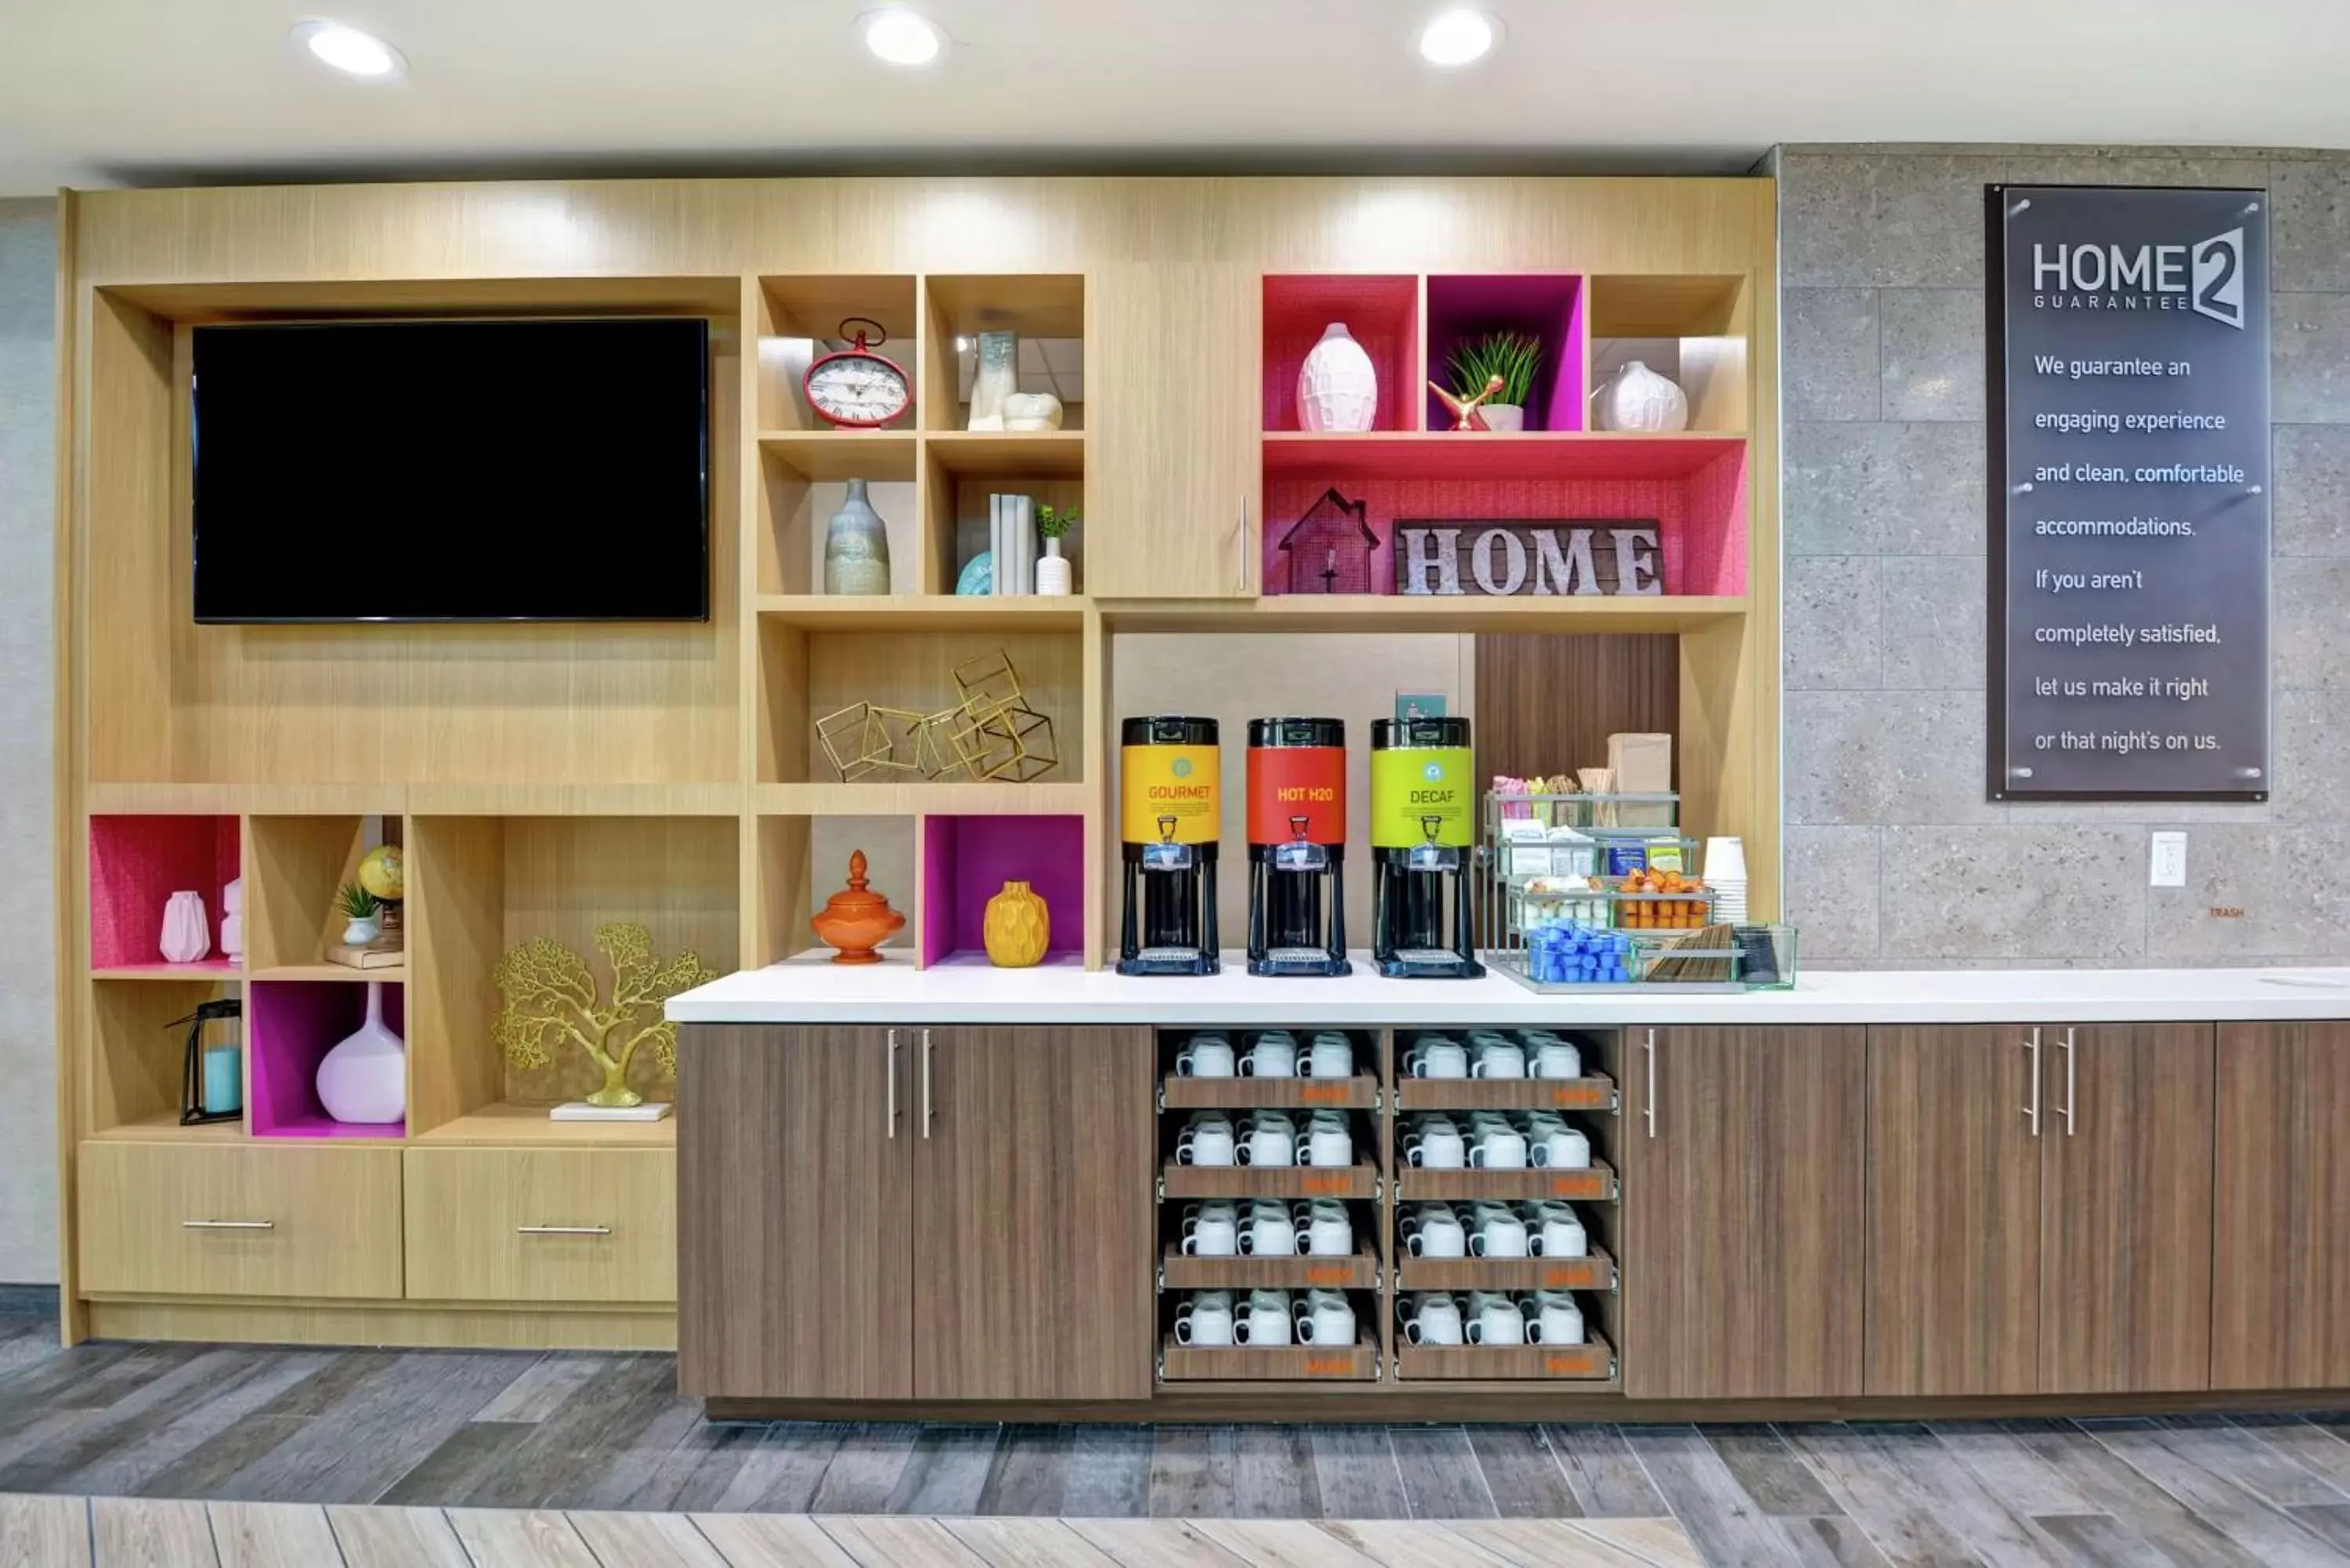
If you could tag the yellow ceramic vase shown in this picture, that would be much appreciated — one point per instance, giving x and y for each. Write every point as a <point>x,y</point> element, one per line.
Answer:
<point>1018,927</point>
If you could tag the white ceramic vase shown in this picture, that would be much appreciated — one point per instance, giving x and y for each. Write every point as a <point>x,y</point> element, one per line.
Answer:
<point>996,379</point>
<point>1032,411</point>
<point>1053,576</point>
<point>1641,400</point>
<point>1503,418</point>
<point>361,930</point>
<point>1337,389</point>
<point>187,933</point>
<point>232,919</point>
<point>365,1078</point>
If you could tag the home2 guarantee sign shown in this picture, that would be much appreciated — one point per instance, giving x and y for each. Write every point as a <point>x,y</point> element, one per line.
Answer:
<point>2129,493</point>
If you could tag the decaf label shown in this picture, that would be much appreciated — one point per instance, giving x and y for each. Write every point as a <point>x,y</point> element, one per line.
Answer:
<point>2129,493</point>
<point>1167,794</point>
<point>1418,789</point>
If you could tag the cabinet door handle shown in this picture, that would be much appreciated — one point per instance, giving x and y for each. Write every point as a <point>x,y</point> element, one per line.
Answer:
<point>1648,1109</point>
<point>1240,551</point>
<point>563,1230</point>
<point>893,1083</point>
<point>926,1082</point>
<point>2072,1084</point>
<point>2032,1111</point>
<point>228,1224</point>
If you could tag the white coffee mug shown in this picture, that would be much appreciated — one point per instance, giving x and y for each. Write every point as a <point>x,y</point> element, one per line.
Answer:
<point>1328,1142</point>
<point>1560,1148</point>
<point>1431,1318</point>
<point>1272,1140</point>
<point>1206,1318</point>
<point>1495,1319</point>
<point>1207,1140</point>
<point>1552,1058</point>
<point>1211,1231</point>
<point>1435,1145</point>
<point>1557,1233</point>
<point>1552,1318</point>
<point>1330,1232</point>
<point>1273,1055</point>
<point>1331,1057</point>
<point>1438,1234</point>
<point>1266,1319</point>
<point>1498,1058</point>
<point>1436,1057</point>
<point>1498,1149</point>
<point>1206,1056</point>
<point>1498,1234</point>
<point>1271,1233</point>
<point>1324,1317</point>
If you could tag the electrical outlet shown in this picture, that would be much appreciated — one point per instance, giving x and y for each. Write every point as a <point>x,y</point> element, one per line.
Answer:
<point>2170,861</point>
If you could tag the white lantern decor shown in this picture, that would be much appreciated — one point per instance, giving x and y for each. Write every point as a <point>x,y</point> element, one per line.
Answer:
<point>1337,390</point>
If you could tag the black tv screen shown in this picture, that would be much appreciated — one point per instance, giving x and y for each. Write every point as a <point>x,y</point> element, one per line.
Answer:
<point>541,470</point>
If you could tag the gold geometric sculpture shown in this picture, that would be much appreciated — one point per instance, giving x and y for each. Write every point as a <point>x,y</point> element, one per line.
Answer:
<point>551,997</point>
<point>991,732</point>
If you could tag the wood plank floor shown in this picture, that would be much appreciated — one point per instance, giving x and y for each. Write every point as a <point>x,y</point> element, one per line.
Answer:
<point>461,1435</point>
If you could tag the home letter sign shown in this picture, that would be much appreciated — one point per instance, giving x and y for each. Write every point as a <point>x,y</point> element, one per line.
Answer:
<point>1535,559</point>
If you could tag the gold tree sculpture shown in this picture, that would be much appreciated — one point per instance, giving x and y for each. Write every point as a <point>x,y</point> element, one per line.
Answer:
<point>552,997</point>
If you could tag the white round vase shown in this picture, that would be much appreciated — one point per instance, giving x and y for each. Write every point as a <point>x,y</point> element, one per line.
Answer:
<point>1503,418</point>
<point>365,1077</point>
<point>1337,390</point>
<point>1053,576</point>
<point>1641,400</point>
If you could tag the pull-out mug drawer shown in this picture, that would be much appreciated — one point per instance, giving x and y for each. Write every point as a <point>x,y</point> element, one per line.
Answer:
<point>240,1219</point>
<point>542,1224</point>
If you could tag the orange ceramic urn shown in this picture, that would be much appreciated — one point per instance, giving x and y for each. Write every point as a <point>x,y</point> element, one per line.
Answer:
<point>856,919</point>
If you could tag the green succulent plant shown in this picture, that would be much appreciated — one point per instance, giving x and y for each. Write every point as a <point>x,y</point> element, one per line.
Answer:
<point>1512,355</point>
<point>357,903</point>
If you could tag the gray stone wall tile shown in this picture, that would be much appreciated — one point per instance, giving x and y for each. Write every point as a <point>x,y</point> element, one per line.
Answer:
<point>1885,757</point>
<point>1933,353</point>
<point>1832,635</point>
<point>1934,614</point>
<point>1831,891</point>
<point>2309,634</point>
<point>2310,356</point>
<point>2309,756</point>
<point>1878,221</point>
<point>2309,226</point>
<point>1883,489</point>
<point>2008,892</point>
<point>2128,166</point>
<point>1828,359</point>
<point>2311,498</point>
<point>2283,882</point>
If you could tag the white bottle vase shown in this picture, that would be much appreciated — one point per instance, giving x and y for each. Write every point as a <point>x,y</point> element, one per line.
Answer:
<point>1052,574</point>
<point>187,933</point>
<point>365,1078</point>
<point>1641,400</point>
<point>1338,388</point>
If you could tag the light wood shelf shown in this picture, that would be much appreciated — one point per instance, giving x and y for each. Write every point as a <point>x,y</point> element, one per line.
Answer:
<point>164,1128</point>
<point>504,1125</point>
<point>996,454</point>
<point>850,612</point>
<point>964,798</point>
<point>829,456</point>
<point>210,970</point>
<point>394,974</point>
<point>1412,613</point>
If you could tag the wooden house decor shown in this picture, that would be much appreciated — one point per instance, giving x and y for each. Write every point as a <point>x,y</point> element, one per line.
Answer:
<point>1328,550</point>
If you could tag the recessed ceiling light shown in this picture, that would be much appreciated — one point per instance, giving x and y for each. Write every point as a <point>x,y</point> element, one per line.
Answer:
<point>348,50</point>
<point>1458,38</point>
<point>900,37</point>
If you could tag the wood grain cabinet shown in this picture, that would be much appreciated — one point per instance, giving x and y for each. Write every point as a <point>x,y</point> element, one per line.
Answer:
<point>1741,1213</point>
<point>2281,1274</point>
<point>542,1224</point>
<point>2039,1210</point>
<point>893,1213</point>
<point>1172,373</point>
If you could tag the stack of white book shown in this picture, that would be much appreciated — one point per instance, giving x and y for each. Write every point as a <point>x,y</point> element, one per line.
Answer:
<point>1012,535</point>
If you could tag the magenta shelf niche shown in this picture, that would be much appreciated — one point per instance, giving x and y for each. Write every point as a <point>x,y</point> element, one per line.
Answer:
<point>1550,306</point>
<point>966,861</point>
<point>1379,312</point>
<point>136,864</point>
<point>289,1027</point>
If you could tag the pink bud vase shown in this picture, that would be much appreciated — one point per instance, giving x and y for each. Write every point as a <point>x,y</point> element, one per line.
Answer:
<point>365,1078</point>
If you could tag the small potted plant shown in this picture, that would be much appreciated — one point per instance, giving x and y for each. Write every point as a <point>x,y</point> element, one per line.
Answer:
<point>362,914</point>
<point>1053,524</point>
<point>1514,357</point>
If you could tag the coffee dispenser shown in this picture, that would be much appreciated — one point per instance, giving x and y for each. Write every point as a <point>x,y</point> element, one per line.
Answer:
<point>1169,812</point>
<point>1422,918</point>
<point>1298,846</point>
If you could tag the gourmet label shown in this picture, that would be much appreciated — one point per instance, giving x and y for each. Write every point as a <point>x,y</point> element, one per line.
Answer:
<point>1177,781</point>
<point>1287,782</point>
<point>1409,785</point>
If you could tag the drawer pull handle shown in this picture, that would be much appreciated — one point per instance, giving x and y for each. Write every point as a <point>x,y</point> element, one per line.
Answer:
<point>563,1230</point>
<point>228,1224</point>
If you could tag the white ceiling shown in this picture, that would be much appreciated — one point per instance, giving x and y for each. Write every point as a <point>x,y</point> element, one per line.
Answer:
<point>139,91</point>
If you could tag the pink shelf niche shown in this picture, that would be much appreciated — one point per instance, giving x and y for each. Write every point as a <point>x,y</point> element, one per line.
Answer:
<point>289,1027</point>
<point>966,861</point>
<point>1381,313</point>
<point>1553,306</point>
<point>136,864</point>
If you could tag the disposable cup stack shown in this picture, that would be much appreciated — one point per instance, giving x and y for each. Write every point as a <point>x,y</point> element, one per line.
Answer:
<point>1725,873</point>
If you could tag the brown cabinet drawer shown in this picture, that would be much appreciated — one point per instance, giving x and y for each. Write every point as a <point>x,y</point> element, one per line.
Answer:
<point>542,1224</point>
<point>242,1219</point>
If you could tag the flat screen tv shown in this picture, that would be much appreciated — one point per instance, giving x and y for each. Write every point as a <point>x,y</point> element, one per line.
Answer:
<point>452,470</point>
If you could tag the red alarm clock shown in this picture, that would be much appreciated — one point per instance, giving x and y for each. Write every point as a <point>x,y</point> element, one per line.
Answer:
<point>855,387</point>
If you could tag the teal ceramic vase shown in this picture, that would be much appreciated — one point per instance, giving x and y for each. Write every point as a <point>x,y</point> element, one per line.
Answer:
<point>856,547</point>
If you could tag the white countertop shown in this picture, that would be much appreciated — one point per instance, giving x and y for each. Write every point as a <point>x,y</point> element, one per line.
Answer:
<point>811,990</point>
